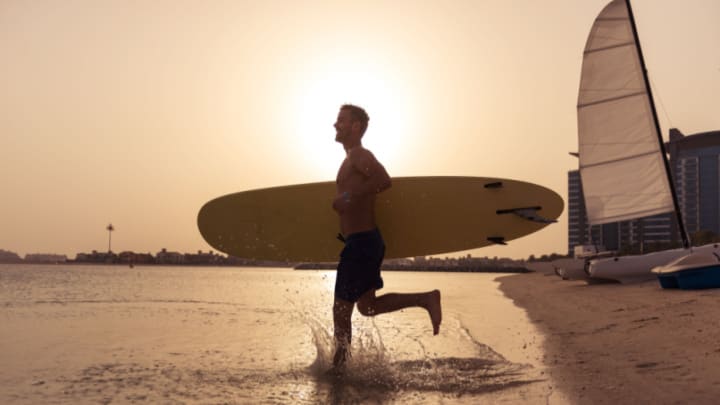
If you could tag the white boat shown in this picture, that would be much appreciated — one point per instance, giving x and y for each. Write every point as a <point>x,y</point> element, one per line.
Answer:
<point>633,268</point>
<point>628,269</point>
<point>576,268</point>
<point>694,271</point>
<point>623,167</point>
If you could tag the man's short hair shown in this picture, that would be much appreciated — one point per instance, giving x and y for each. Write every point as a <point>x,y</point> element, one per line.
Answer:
<point>358,114</point>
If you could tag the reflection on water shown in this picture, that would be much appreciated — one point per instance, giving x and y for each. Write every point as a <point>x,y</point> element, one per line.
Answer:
<point>206,335</point>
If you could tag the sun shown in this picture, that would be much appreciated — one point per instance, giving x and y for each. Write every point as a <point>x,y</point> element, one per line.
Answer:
<point>332,83</point>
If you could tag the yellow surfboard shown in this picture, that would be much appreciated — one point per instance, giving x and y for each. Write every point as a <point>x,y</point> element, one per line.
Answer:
<point>418,216</point>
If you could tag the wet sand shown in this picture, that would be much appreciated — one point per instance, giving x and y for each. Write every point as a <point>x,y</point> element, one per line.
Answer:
<point>624,344</point>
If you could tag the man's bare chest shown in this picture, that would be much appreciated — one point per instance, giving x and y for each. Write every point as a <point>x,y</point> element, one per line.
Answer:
<point>347,176</point>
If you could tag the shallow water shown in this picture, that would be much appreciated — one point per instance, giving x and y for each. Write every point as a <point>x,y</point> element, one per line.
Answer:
<point>111,334</point>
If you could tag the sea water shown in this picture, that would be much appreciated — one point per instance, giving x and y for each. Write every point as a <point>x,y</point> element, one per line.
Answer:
<point>212,335</point>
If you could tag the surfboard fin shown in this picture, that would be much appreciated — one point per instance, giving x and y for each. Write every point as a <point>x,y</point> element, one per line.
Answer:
<point>529,213</point>
<point>498,240</point>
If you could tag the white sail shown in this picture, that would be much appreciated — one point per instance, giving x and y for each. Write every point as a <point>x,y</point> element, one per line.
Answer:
<point>621,163</point>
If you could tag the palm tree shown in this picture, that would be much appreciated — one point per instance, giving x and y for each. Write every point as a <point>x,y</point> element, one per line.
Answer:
<point>110,229</point>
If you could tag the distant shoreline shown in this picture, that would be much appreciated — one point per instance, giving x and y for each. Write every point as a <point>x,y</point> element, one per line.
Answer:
<point>463,264</point>
<point>289,266</point>
<point>428,268</point>
<point>302,266</point>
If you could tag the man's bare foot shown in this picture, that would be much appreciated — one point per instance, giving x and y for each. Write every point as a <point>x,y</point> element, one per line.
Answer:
<point>336,372</point>
<point>341,357</point>
<point>435,310</point>
<point>339,363</point>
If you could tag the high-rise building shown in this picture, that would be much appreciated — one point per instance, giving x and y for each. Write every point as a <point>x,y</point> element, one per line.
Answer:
<point>695,167</point>
<point>694,159</point>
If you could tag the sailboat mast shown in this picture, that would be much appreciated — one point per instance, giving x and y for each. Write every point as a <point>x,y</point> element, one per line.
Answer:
<point>681,223</point>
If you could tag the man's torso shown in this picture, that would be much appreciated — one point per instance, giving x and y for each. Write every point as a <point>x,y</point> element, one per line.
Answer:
<point>359,214</point>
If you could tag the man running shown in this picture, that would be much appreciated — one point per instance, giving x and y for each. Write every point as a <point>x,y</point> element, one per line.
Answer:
<point>360,178</point>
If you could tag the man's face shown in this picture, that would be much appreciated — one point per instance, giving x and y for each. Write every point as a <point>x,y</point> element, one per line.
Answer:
<point>343,126</point>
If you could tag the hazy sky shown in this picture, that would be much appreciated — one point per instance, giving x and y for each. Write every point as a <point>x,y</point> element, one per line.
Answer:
<point>138,112</point>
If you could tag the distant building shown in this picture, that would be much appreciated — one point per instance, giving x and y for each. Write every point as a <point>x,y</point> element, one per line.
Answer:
<point>96,257</point>
<point>202,258</point>
<point>399,262</point>
<point>135,258</point>
<point>9,257</point>
<point>45,258</point>
<point>165,257</point>
<point>144,258</point>
<point>695,167</point>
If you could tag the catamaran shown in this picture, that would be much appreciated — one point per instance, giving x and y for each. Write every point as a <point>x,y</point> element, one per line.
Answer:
<point>623,164</point>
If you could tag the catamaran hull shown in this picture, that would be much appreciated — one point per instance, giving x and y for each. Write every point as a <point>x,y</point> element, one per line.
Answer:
<point>637,268</point>
<point>691,272</point>
<point>695,279</point>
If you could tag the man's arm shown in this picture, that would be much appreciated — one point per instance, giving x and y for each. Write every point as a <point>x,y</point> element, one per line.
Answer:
<point>377,179</point>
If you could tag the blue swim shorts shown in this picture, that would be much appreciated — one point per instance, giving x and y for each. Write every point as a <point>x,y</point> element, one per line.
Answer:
<point>359,267</point>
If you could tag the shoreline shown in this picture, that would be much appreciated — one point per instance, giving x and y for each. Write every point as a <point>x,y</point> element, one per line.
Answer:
<point>311,267</point>
<point>623,343</point>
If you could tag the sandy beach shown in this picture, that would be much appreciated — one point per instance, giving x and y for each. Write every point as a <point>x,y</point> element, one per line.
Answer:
<point>624,344</point>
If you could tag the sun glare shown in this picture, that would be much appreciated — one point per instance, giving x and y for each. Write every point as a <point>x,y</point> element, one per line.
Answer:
<point>376,89</point>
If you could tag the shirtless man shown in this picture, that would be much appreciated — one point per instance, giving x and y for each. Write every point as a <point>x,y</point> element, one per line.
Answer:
<point>360,178</point>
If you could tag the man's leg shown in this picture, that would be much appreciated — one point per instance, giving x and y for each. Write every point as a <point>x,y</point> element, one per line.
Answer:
<point>370,305</point>
<point>342,314</point>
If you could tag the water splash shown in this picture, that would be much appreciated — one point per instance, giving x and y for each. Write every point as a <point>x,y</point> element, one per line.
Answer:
<point>374,374</point>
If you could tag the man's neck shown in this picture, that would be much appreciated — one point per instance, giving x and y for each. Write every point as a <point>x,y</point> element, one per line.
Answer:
<point>351,146</point>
